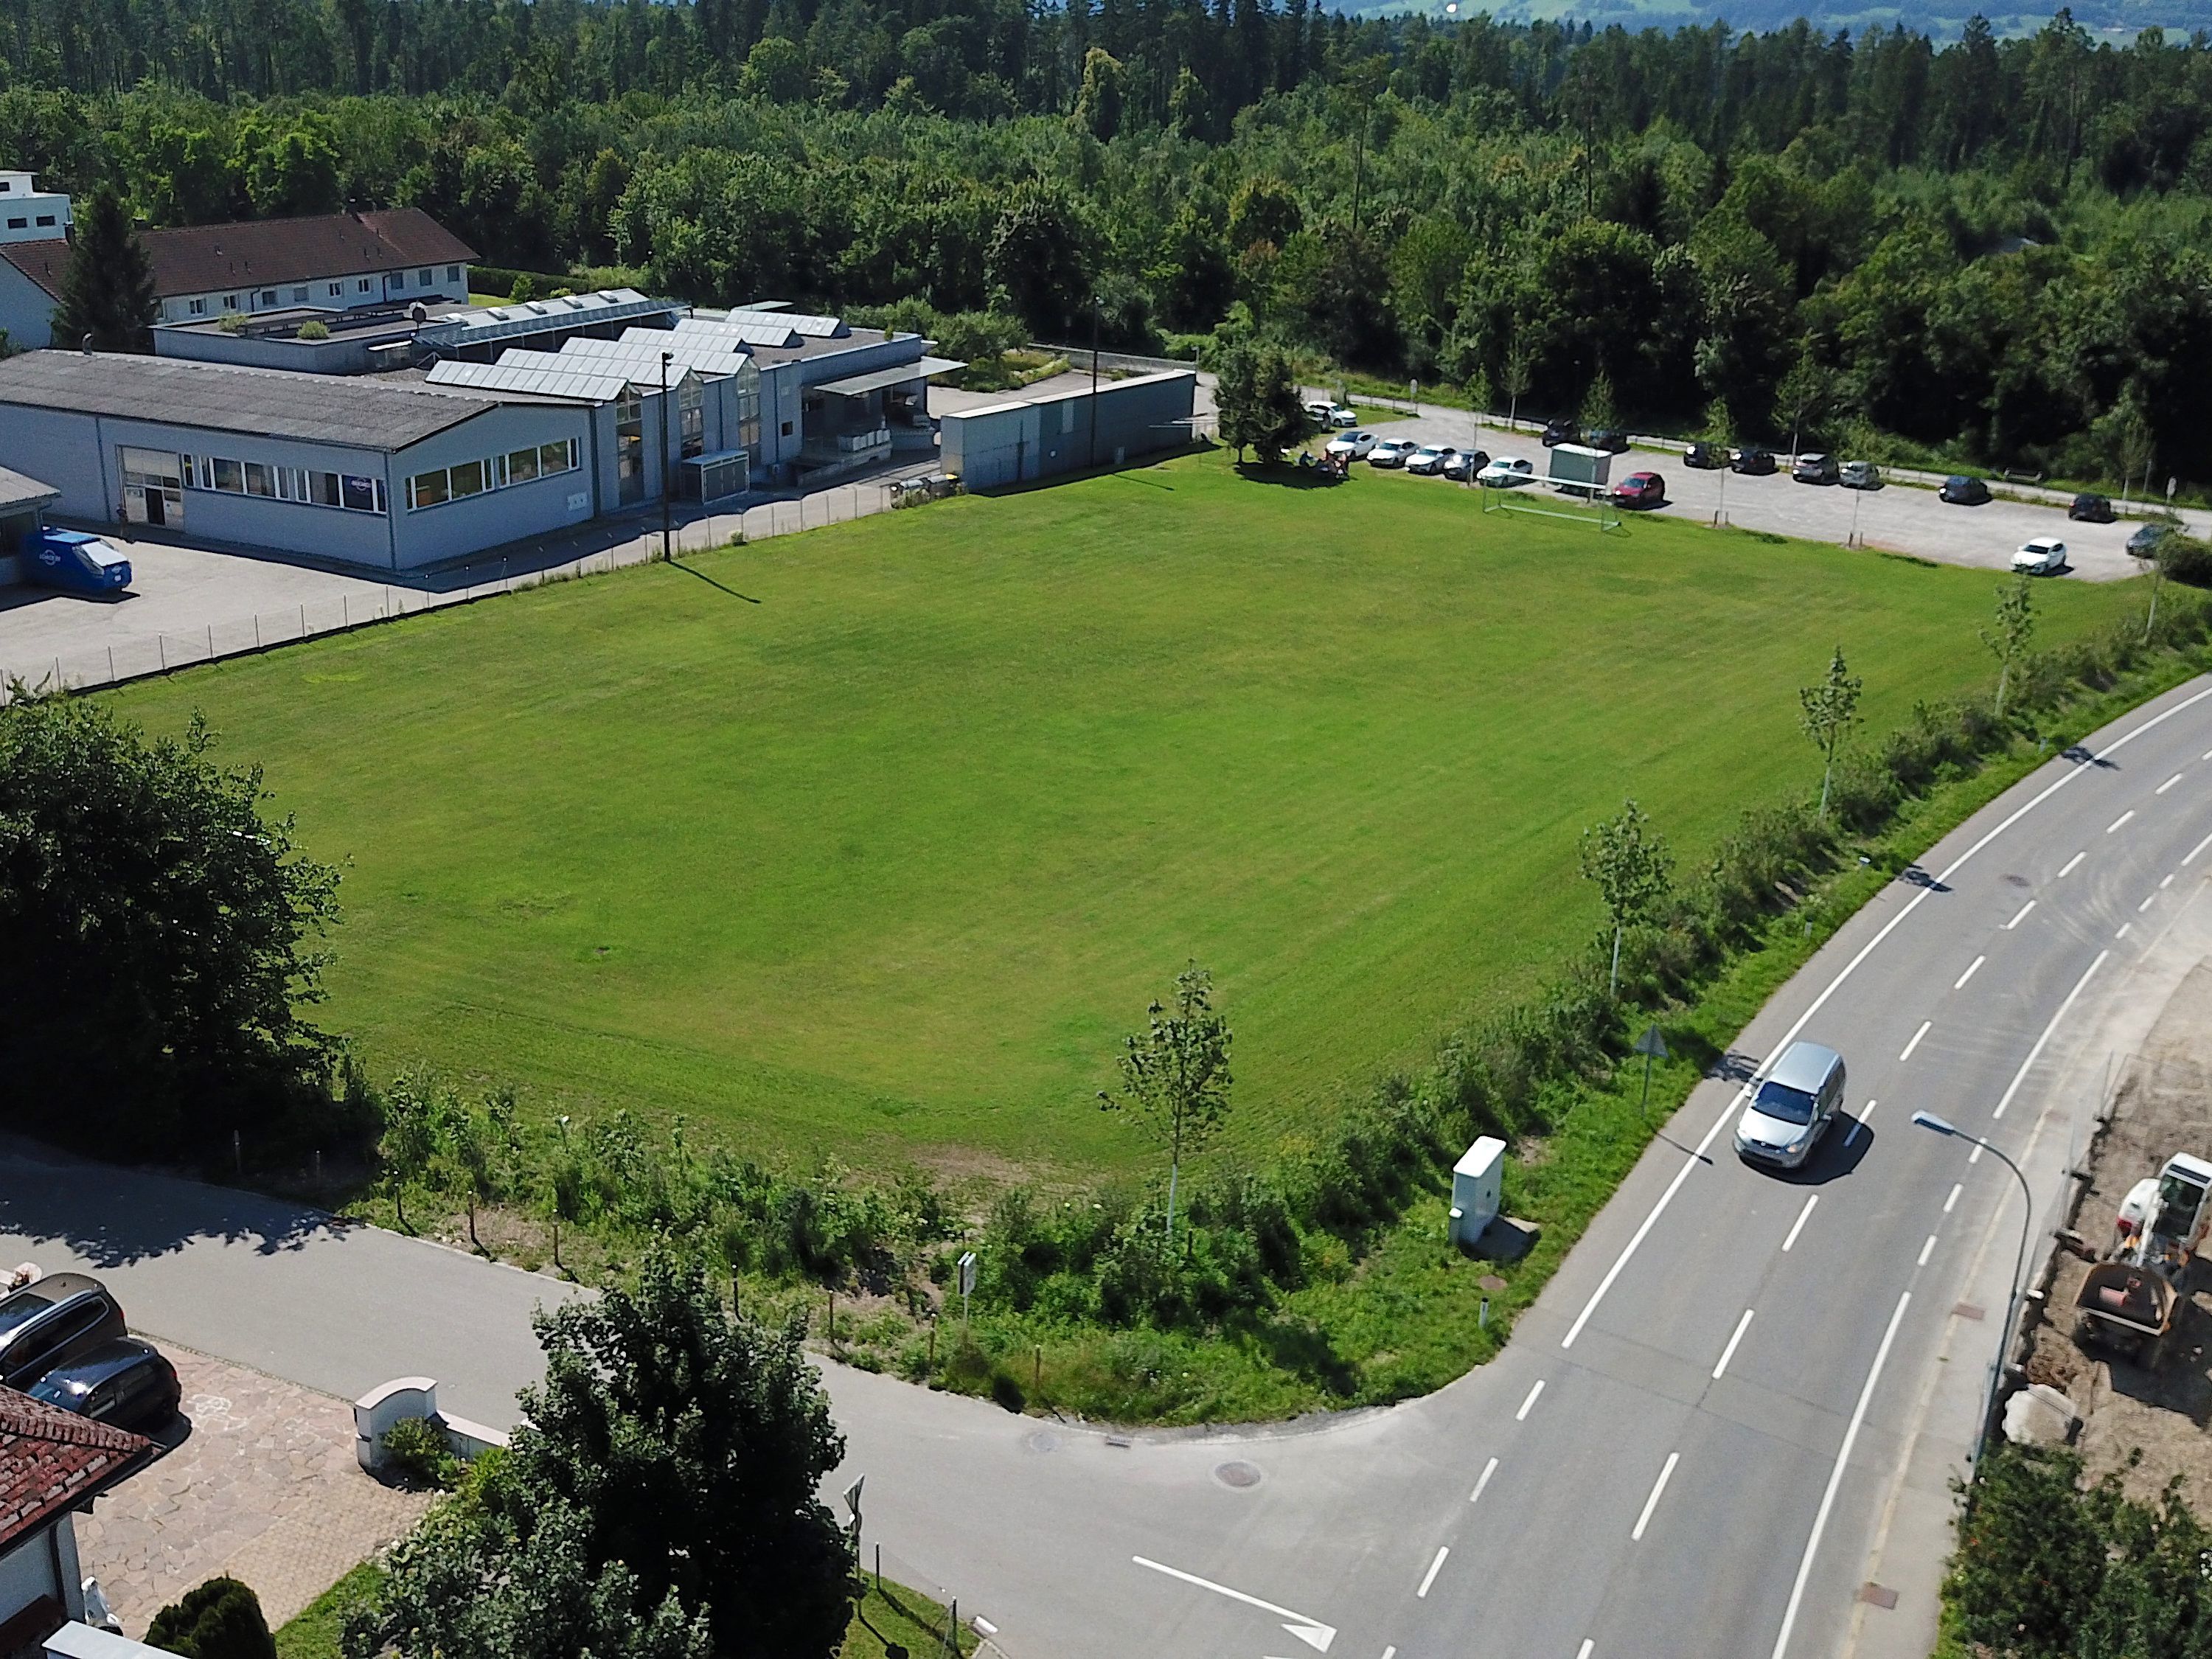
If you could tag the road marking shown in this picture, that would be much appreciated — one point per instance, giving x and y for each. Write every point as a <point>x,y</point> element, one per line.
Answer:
<point>1975,1157</point>
<point>2194,850</point>
<point>2146,903</point>
<point>2021,917</point>
<point>1583,1652</point>
<point>2126,927</point>
<point>1652,1501</point>
<point>2167,785</point>
<point>1926,1250</point>
<point>1482,1480</point>
<point>983,1626</point>
<point>1728,1352</point>
<point>2120,820</point>
<point>2070,863</point>
<point>1956,1190</point>
<point>1798,1226</point>
<point>1973,968</point>
<point>1311,1631</point>
<point>1919,1034</point>
<point>1855,1127</point>
<point>2168,883</point>
<point>2036,1052</point>
<point>1920,895</point>
<point>1836,1474</point>
<point>1521,1416</point>
<point>1435,1566</point>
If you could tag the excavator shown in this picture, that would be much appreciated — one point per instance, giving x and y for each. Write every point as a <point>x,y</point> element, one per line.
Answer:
<point>2132,1293</point>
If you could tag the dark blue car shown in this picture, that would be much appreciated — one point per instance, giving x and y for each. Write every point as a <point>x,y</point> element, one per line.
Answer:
<point>122,1380</point>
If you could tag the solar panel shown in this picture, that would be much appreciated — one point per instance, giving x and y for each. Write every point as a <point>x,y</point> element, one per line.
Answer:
<point>817,328</point>
<point>643,356</point>
<point>757,331</point>
<point>566,380</point>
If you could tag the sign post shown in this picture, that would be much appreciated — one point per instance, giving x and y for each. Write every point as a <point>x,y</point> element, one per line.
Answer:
<point>967,1288</point>
<point>1652,1046</point>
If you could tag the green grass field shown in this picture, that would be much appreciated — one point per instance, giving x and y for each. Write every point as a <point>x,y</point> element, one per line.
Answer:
<point>885,865</point>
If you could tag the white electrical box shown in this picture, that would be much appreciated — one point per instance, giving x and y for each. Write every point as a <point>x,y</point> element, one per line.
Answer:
<point>1475,1195</point>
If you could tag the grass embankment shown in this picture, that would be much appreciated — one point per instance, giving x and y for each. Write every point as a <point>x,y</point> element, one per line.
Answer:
<point>885,865</point>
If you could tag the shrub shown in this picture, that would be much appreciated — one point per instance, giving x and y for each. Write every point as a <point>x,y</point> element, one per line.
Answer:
<point>2186,559</point>
<point>314,330</point>
<point>218,1620</point>
<point>418,1449</point>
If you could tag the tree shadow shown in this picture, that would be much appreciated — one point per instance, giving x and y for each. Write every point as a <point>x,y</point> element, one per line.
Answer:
<point>1304,1349</point>
<point>1913,876</point>
<point>1287,475</point>
<point>2082,755</point>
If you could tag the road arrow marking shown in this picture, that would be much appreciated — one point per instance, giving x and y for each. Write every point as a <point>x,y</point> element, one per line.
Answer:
<point>1311,1631</point>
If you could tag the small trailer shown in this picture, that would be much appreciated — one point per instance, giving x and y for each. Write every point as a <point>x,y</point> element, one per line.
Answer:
<point>1578,470</point>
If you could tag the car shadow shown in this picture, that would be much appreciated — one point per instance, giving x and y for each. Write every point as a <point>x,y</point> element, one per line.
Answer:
<point>1841,1151</point>
<point>1913,876</point>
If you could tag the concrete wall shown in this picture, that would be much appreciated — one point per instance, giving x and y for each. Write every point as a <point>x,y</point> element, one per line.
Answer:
<point>26,310</point>
<point>1028,439</point>
<point>453,530</point>
<point>334,356</point>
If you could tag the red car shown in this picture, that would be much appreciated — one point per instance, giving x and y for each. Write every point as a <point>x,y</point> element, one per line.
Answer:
<point>1640,489</point>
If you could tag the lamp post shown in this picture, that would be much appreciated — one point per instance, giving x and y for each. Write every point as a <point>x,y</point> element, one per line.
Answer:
<point>666,358</point>
<point>1944,1126</point>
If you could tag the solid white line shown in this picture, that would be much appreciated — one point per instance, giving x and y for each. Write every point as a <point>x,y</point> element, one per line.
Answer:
<point>1435,1566</point>
<point>1482,1480</point>
<point>2167,785</point>
<point>1859,1127</point>
<point>2036,1052</point>
<point>1521,1416</point>
<point>2020,917</point>
<point>1919,1034</point>
<point>2120,820</point>
<point>1926,1250</point>
<point>1956,1190</point>
<point>1973,968</point>
<point>2070,863</point>
<point>1942,878</point>
<point>2194,850</point>
<point>1836,1474</point>
<point>1728,1352</point>
<point>1798,1226</point>
<point>1652,1501</point>
<point>2146,903</point>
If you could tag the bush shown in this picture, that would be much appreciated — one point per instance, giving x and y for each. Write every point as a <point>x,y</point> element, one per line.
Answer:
<point>418,1449</point>
<point>2186,559</point>
<point>219,1619</point>
<point>312,329</point>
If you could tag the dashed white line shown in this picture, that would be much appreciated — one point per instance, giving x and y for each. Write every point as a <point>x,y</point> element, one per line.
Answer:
<point>1728,1352</point>
<point>1927,1250</point>
<point>2068,869</point>
<point>1652,1501</point>
<point>1798,1226</point>
<point>2036,1052</point>
<point>1973,968</point>
<point>1482,1480</point>
<point>2120,820</point>
<point>2146,905</point>
<point>1521,1416</point>
<point>2126,927</point>
<point>1583,1652</point>
<point>2167,785</point>
<point>1917,1034</point>
<point>1435,1567</point>
<point>1956,1190</point>
<point>2168,883</point>
<point>2020,916</point>
<point>2194,850</point>
<point>1857,1129</point>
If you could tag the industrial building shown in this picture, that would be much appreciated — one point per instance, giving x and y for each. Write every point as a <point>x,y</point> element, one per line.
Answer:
<point>28,214</point>
<point>1031,438</point>
<point>23,504</point>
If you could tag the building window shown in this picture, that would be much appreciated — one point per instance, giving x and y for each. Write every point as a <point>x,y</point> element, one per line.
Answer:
<point>691,418</point>
<point>197,307</point>
<point>466,478</point>
<point>229,476</point>
<point>362,287</point>
<point>45,218</point>
<point>424,279</point>
<point>361,495</point>
<point>287,484</point>
<point>787,428</point>
<point>338,290</point>
<point>299,296</point>
<point>521,466</point>
<point>268,297</point>
<point>260,479</point>
<point>230,302</point>
<point>452,273</point>
<point>19,224</point>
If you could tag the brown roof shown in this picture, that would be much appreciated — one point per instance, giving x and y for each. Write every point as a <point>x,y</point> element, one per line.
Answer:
<point>253,253</point>
<point>52,1461</point>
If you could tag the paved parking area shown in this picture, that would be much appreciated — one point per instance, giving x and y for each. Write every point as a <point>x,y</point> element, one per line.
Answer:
<point>263,1486</point>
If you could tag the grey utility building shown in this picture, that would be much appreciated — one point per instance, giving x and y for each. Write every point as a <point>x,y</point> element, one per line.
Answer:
<point>1030,438</point>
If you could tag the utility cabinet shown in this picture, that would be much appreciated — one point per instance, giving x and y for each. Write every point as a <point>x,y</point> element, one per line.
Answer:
<point>1475,1195</point>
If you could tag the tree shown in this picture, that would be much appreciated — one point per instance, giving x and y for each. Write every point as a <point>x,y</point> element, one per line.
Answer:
<point>107,287</point>
<point>221,1618</point>
<point>775,71</point>
<point>1514,377</point>
<point>1802,396</point>
<point>1599,411</point>
<point>1633,869</point>
<point>408,1148</point>
<point>658,1501</point>
<point>1831,710</point>
<point>476,1146</point>
<point>1098,103</point>
<point>1189,109</point>
<point>1039,262</point>
<point>1256,397</point>
<point>2015,628</point>
<point>1263,210</point>
<point>1175,1076</point>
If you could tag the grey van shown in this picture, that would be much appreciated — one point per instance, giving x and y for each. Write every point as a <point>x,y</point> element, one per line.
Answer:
<point>1791,1108</point>
<point>52,1320</point>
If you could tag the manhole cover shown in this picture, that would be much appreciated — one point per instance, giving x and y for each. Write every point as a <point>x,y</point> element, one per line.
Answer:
<point>1042,1441</point>
<point>1239,1475</point>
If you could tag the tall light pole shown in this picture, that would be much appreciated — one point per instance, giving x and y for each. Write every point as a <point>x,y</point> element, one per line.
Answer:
<point>1944,1126</point>
<point>666,358</point>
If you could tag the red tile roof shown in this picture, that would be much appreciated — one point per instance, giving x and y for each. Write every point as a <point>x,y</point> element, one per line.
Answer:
<point>256,252</point>
<point>52,1461</point>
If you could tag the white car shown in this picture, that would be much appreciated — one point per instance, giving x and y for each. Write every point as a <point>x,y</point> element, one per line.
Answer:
<point>2044,556</point>
<point>1393,451</point>
<point>1430,459</point>
<point>1506,471</point>
<point>1331,417</point>
<point>1351,446</point>
<point>1342,416</point>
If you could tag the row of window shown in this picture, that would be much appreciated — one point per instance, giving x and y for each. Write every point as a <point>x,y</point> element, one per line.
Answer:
<point>285,483</point>
<point>24,224</point>
<point>425,278</point>
<point>453,483</point>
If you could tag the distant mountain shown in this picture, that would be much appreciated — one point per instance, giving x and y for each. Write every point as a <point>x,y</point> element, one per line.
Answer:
<point>2117,21</point>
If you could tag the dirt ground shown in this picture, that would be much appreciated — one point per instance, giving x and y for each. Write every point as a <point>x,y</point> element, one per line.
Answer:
<point>2160,1104</point>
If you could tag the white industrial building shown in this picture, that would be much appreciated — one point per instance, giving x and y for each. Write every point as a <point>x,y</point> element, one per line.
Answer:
<point>28,214</point>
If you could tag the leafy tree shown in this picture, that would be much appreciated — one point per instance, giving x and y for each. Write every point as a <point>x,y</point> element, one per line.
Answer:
<point>1803,398</point>
<point>1830,710</point>
<point>289,171</point>
<point>1255,399</point>
<point>1190,110</point>
<point>408,1149</point>
<point>476,1146</point>
<point>1263,210</point>
<point>108,288</point>
<point>2015,628</point>
<point>775,71</point>
<point>1039,262</point>
<point>1600,411</point>
<point>1747,307</point>
<point>1099,104</point>
<point>1633,869</point>
<point>220,1618</point>
<point>1175,1076</point>
<point>1515,377</point>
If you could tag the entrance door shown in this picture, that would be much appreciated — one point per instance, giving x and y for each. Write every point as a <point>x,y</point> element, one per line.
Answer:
<point>153,487</point>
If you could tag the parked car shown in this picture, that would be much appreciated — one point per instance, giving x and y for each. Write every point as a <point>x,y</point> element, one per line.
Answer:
<point>1561,432</point>
<point>1351,446</point>
<point>1507,470</point>
<point>1464,464</point>
<point>52,1320</point>
<point>122,1380</point>
<point>1793,1107</point>
<point>1755,462</point>
<point>1640,489</point>
<point>2088,507</point>
<point>1859,475</point>
<point>1392,452</point>
<point>2044,555</point>
<point>1706,457</point>
<point>1611,438</point>
<point>1320,414</point>
<point>1961,490</point>
<point>1331,417</point>
<point>1343,416</point>
<point>2144,542</point>
<point>1430,459</point>
<point>1815,469</point>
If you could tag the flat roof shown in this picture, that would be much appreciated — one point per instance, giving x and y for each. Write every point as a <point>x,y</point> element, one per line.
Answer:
<point>330,409</point>
<point>18,491</point>
<point>861,384</point>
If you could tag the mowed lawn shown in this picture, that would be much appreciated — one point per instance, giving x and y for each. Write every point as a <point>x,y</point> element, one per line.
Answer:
<point>886,864</point>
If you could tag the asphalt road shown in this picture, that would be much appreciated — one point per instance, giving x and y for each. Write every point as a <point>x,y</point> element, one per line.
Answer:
<point>1685,1450</point>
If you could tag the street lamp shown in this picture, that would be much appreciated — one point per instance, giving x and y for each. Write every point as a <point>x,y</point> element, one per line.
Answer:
<point>1945,1127</point>
<point>666,358</point>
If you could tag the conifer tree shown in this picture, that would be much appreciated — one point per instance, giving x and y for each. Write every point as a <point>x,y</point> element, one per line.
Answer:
<point>107,290</point>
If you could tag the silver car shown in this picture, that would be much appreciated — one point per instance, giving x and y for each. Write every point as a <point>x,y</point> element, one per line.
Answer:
<point>1792,1106</point>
